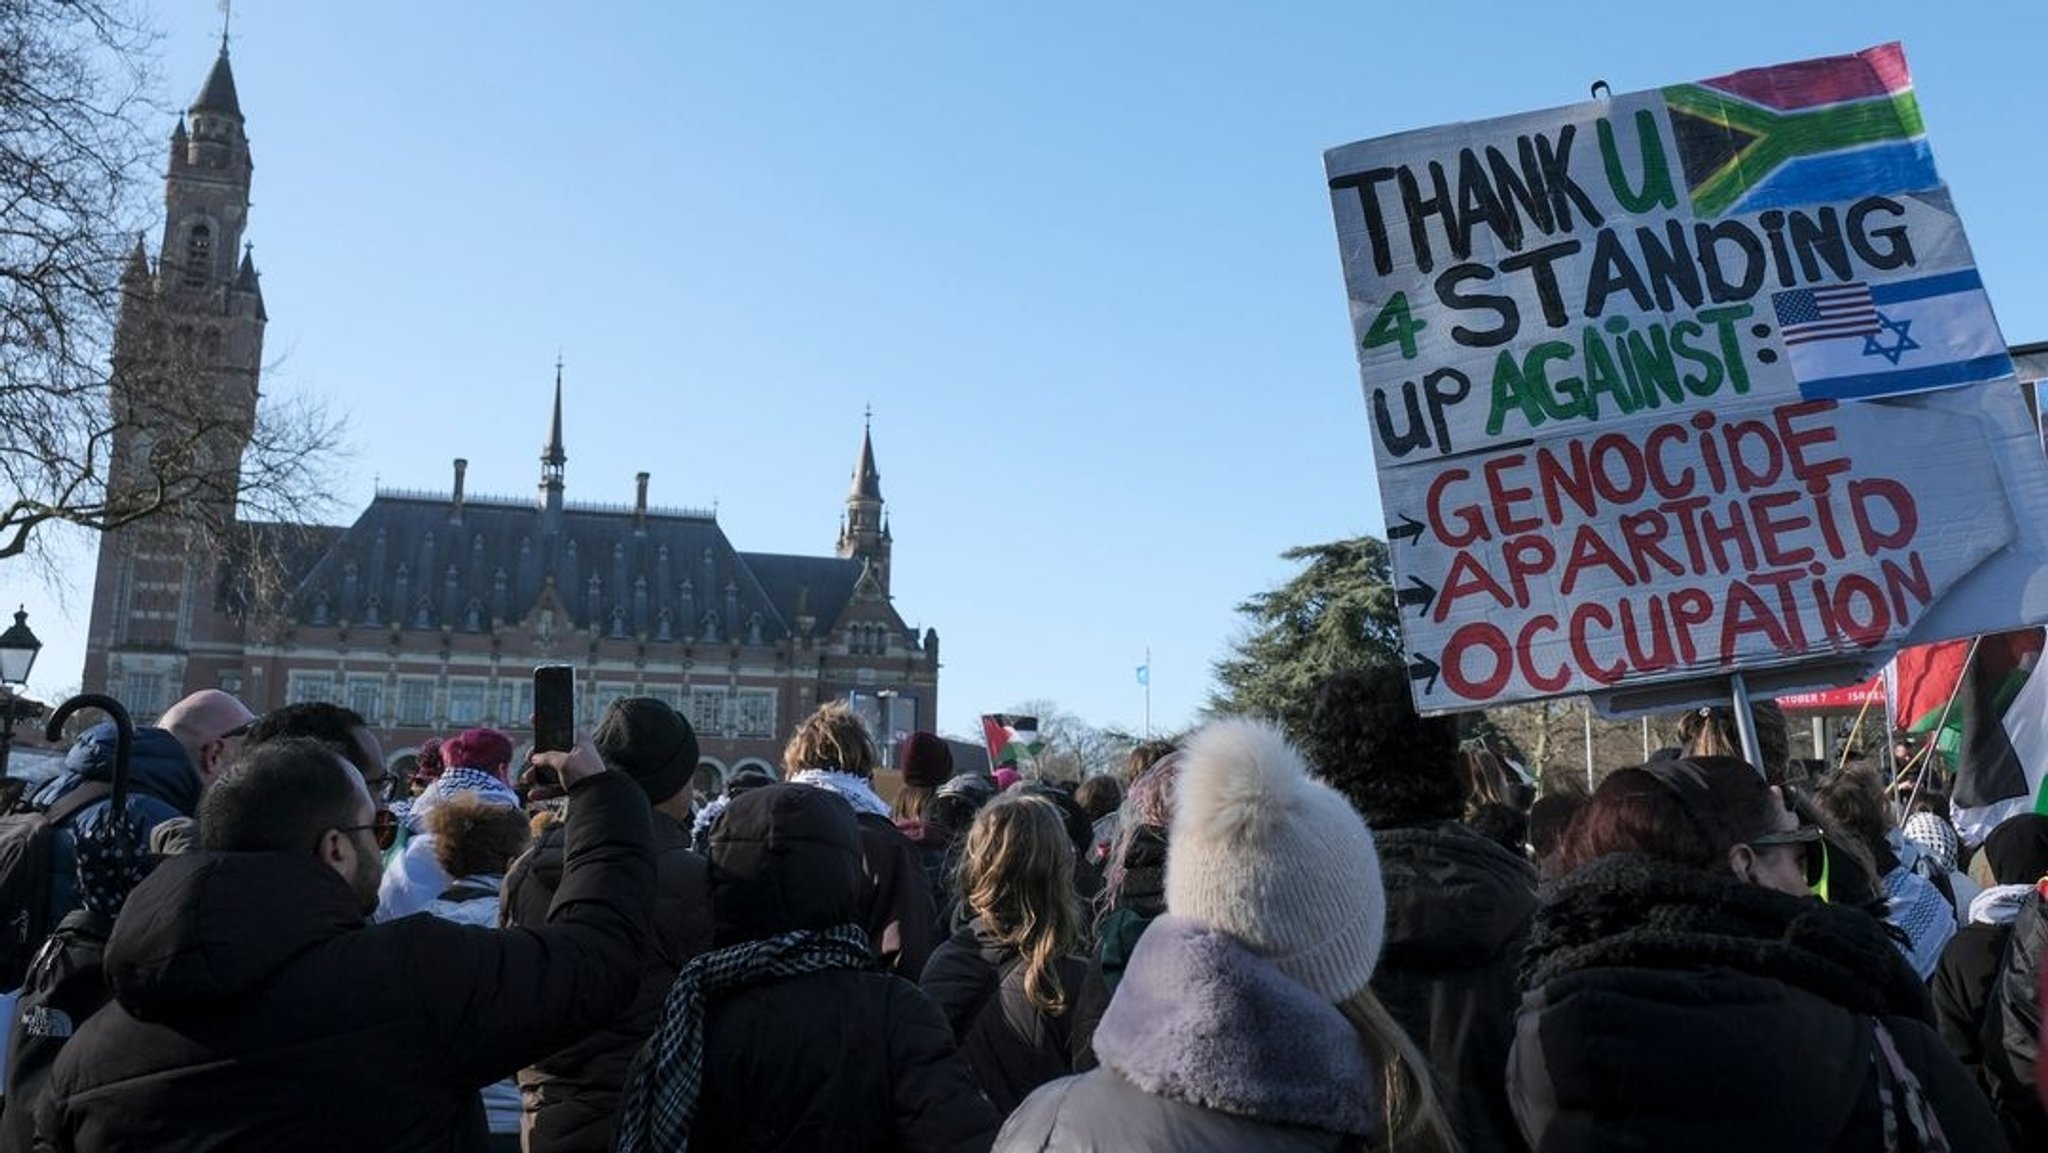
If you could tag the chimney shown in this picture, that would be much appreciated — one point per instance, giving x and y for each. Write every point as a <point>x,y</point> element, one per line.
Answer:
<point>640,496</point>
<point>461,468</point>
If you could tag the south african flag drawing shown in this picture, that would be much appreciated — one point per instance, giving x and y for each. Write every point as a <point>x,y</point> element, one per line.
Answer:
<point>1820,130</point>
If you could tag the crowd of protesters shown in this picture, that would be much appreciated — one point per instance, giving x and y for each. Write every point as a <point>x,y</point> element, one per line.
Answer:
<point>1363,935</point>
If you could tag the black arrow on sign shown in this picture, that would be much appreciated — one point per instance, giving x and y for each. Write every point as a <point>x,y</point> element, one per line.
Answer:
<point>1422,593</point>
<point>1423,668</point>
<point>1409,529</point>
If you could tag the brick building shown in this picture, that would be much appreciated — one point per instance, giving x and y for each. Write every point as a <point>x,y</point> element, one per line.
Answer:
<point>428,613</point>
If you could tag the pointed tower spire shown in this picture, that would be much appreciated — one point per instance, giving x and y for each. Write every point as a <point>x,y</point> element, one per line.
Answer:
<point>861,532</point>
<point>218,93</point>
<point>553,457</point>
<point>136,274</point>
<point>867,480</point>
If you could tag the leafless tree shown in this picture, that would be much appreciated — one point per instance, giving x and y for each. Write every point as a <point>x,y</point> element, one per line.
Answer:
<point>77,109</point>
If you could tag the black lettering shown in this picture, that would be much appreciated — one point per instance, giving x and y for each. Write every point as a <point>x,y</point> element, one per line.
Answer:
<point>1538,261</point>
<point>1707,238</point>
<point>1898,249</point>
<point>1612,270</point>
<point>1502,306</point>
<point>1366,186</point>
<point>1557,176</point>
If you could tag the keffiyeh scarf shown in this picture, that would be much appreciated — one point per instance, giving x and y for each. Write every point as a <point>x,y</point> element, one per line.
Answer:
<point>661,1092</point>
<point>855,791</point>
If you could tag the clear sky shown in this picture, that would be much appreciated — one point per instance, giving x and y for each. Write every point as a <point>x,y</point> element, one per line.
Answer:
<point>1078,257</point>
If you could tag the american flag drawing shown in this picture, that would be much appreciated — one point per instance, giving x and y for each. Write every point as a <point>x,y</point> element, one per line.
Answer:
<point>1827,313</point>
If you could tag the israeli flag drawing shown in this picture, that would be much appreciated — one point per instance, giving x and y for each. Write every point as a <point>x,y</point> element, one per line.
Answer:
<point>1857,341</point>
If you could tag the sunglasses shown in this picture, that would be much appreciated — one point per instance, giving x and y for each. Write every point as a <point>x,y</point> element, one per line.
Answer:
<point>383,829</point>
<point>1814,853</point>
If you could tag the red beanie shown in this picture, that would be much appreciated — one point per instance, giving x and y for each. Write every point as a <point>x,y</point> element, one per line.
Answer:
<point>926,761</point>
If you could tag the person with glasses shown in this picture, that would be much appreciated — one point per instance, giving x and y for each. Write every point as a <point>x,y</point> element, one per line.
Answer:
<point>257,1007</point>
<point>1686,989</point>
<point>344,728</point>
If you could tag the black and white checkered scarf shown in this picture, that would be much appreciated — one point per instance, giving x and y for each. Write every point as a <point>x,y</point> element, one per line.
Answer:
<point>661,1092</point>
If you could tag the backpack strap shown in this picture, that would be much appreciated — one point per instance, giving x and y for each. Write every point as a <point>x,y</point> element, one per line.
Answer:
<point>68,805</point>
<point>466,893</point>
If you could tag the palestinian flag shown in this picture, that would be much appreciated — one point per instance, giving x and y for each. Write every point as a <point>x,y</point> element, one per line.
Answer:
<point>1011,739</point>
<point>1808,133</point>
<point>1996,731</point>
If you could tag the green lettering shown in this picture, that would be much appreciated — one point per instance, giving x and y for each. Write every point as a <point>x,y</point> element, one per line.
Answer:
<point>1724,320</point>
<point>1657,190</point>
<point>1395,325</point>
<point>1708,381</point>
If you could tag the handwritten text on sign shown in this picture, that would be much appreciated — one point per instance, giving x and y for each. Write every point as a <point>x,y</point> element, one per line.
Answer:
<point>1616,361</point>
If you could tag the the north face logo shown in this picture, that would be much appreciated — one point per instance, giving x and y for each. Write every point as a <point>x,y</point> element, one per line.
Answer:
<point>43,1021</point>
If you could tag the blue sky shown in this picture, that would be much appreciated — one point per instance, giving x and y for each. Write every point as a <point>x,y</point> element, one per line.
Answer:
<point>1078,257</point>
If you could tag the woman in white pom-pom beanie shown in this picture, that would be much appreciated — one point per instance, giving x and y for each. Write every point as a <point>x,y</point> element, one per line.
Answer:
<point>1245,1019</point>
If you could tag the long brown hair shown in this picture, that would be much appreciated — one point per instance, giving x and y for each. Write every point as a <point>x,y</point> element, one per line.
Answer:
<point>1416,1121</point>
<point>1017,875</point>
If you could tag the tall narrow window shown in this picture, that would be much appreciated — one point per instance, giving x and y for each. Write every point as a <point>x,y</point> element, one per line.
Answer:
<point>198,256</point>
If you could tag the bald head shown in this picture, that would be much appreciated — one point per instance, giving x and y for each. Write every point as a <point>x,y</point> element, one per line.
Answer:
<point>207,725</point>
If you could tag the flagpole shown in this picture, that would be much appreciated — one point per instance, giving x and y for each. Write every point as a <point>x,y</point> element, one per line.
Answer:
<point>1148,692</point>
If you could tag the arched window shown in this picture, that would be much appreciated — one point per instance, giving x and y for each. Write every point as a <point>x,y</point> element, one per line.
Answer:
<point>198,255</point>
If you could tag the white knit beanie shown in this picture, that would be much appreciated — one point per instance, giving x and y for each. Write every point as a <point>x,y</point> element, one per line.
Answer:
<point>1276,859</point>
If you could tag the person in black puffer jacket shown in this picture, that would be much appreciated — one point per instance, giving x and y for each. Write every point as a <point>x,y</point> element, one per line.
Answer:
<point>1686,991</point>
<point>1009,978</point>
<point>786,1037</point>
<point>571,1097</point>
<point>1458,904</point>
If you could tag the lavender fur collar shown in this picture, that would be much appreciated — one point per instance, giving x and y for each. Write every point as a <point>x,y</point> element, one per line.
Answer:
<point>1201,1019</point>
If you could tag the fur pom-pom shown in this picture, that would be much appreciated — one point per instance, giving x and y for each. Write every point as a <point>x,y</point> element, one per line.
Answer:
<point>1239,776</point>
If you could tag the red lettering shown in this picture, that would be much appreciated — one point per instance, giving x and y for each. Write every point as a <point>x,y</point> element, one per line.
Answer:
<point>1623,489</point>
<point>1643,532</point>
<point>1590,550</point>
<point>1760,475</point>
<point>1473,519</point>
<point>1527,556</point>
<point>1905,515</point>
<point>1668,486</point>
<point>1468,577</point>
<point>1582,650</point>
<point>1798,440</point>
<point>1769,528</point>
<point>1505,496</point>
<point>1747,613</point>
<point>1899,581</point>
<point>1525,649</point>
<point>1477,635</point>
<point>1875,620</point>
<point>1689,607</point>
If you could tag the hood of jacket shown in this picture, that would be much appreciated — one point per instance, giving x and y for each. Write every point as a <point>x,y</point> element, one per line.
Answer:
<point>1201,1019</point>
<point>1630,911</point>
<point>205,928</point>
<point>784,857</point>
<point>157,765</point>
<point>1455,897</point>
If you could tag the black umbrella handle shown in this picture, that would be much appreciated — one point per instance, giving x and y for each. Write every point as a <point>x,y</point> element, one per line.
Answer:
<point>124,740</point>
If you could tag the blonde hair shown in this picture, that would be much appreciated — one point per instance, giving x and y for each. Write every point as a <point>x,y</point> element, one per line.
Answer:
<point>1017,875</point>
<point>1416,1121</point>
<point>831,738</point>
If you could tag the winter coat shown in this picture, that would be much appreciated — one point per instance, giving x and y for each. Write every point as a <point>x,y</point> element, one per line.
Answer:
<point>1208,1049</point>
<point>896,909</point>
<point>162,784</point>
<point>572,1097</point>
<point>934,845</point>
<point>66,985</point>
<point>473,900</point>
<point>1674,1009</point>
<point>1140,898</point>
<point>1458,913</point>
<point>1012,1045</point>
<point>254,1008</point>
<point>2012,1029</point>
<point>832,1060</point>
<point>1968,971</point>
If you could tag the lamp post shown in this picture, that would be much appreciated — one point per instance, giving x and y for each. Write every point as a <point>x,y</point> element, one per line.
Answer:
<point>890,739</point>
<point>18,649</point>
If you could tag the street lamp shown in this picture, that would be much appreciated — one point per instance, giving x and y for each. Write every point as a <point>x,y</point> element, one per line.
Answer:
<point>18,649</point>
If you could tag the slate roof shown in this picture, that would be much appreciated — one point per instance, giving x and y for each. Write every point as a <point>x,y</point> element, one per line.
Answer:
<point>218,93</point>
<point>408,561</point>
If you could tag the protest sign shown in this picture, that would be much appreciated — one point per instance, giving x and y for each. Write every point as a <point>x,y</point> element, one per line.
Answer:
<point>1684,383</point>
